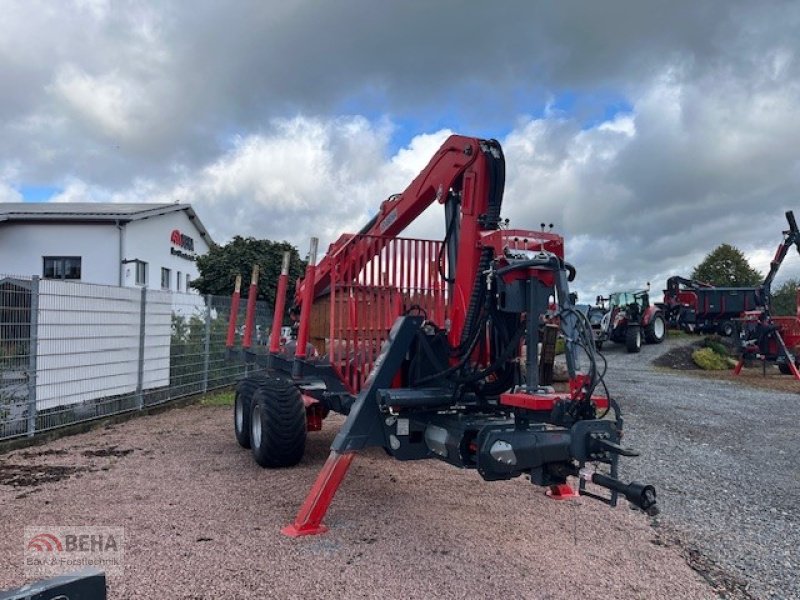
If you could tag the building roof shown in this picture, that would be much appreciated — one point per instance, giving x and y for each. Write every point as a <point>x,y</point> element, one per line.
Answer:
<point>94,212</point>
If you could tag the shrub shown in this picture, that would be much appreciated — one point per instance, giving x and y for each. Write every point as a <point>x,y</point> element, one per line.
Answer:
<point>716,346</point>
<point>708,360</point>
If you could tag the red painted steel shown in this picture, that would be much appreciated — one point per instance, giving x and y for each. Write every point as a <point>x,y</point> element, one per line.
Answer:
<point>309,518</point>
<point>250,315</point>
<point>391,276</point>
<point>561,491</point>
<point>544,401</point>
<point>280,306</point>
<point>229,340</point>
<point>458,163</point>
<point>308,300</point>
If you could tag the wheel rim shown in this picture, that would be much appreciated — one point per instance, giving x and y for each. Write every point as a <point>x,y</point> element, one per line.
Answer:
<point>638,339</point>
<point>239,415</point>
<point>255,426</point>
<point>658,328</point>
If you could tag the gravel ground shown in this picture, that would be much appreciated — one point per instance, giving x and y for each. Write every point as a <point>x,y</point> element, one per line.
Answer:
<point>724,458</point>
<point>202,521</point>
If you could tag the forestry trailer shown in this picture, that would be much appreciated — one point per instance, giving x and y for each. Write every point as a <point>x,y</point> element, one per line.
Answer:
<point>420,344</point>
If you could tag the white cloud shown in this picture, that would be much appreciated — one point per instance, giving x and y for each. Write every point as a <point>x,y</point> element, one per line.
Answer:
<point>109,103</point>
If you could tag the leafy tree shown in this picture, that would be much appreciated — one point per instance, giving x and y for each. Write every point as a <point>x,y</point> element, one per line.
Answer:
<point>726,266</point>
<point>220,266</point>
<point>784,298</point>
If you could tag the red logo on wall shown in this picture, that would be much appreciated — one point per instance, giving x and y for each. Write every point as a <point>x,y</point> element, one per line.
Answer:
<point>182,240</point>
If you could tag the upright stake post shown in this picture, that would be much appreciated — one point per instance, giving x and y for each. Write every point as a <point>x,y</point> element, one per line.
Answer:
<point>237,288</point>
<point>305,310</point>
<point>280,306</point>
<point>250,315</point>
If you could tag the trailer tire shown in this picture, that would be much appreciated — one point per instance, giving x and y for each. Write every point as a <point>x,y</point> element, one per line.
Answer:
<point>633,338</point>
<point>656,329</point>
<point>277,424</point>
<point>726,328</point>
<point>242,407</point>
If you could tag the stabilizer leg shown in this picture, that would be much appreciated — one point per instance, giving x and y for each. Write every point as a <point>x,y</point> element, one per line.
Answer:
<point>561,491</point>
<point>309,518</point>
<point>362,429</point>
<point>738,368</point>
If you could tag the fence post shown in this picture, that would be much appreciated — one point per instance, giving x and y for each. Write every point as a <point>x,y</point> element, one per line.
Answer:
<point>207,343</point>
<point>33,351</point>
<point>140,367</point>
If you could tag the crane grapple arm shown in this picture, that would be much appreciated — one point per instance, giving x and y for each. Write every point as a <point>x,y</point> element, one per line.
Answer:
<point>790,237</point>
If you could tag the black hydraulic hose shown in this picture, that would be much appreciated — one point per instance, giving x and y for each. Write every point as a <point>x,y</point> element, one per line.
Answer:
<point>552,262</point>
<point>476,301</point>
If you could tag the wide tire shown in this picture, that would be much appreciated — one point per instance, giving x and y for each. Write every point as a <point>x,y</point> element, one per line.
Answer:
<point>242,407</point>
<point>726,328</point>
<point>656,330</point>
<point>633,338</point>
<point>277,424</point>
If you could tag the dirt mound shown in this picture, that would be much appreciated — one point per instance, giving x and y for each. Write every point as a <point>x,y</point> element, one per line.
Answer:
<point>680,357</point>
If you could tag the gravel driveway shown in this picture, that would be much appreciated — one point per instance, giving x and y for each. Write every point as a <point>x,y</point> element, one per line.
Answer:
<point>725,460</point>
<point>202,522</point>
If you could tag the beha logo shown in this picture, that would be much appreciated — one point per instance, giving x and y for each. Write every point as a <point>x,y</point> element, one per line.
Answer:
<point>53,550</point>
<point>45,542</point>
<point>182,240</point>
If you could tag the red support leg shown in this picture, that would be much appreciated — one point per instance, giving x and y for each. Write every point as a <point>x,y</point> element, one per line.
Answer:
<point>561,491</point>
<point>793,369</point>
<point>309,518</point>
<point>738,368</point>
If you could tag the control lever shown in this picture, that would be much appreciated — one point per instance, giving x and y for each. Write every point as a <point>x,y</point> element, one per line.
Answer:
<point>599,443</point>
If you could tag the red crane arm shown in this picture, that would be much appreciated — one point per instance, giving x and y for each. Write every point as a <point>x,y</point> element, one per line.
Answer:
<point>456,166</point>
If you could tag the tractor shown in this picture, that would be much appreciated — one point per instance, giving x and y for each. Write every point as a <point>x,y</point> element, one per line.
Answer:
<point>630,319</point>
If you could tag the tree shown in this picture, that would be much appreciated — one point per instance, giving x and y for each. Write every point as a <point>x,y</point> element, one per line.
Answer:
<point>784,299</point>
<point>220,266</point>
<point>726,266</point>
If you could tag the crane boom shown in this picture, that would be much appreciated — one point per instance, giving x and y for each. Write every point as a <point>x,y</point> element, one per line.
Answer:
<point>468,172</point>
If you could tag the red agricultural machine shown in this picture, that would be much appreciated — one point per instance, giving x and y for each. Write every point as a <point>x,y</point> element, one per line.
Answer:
<point>742,312</point>
<point>698,306</point>
<point>419,343</point>
<point>630,319</point>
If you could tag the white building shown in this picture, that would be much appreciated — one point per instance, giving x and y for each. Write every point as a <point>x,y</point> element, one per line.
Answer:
<point>108,243</point>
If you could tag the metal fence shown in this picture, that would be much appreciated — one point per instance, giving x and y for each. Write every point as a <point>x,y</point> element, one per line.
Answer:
<point>74,351</point>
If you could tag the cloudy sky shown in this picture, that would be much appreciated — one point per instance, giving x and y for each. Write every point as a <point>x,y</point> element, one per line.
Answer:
<point>647,132</point>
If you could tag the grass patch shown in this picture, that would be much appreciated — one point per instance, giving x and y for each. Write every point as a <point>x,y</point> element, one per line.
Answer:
<point>218,399</point>
<point>676,333</point>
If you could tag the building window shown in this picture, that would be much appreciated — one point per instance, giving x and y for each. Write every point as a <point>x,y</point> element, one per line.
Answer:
<point>62,267</point>
<point>141,272</point>
<point>166,275</point>
<point>187,282</point>
<point>178,281</point>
